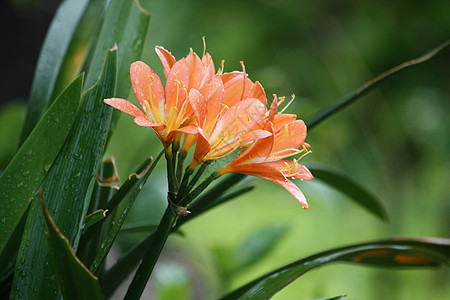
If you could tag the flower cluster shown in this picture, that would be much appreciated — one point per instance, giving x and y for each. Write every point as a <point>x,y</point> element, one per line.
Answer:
<point>218,113</point>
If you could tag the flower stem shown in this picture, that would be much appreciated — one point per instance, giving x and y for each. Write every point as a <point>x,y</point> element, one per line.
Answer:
<point>172,181</point>
<point>192,195</point>
<point>181,157</point>
<point>145,269</point>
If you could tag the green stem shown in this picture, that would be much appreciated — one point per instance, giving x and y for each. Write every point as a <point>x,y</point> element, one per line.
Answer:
<point>352,97</point>
<point>172,181</point>
<point>181,157</point>
<point>184,183</point>
<point>145,269</point>
<point>202,186</point>
<point>199,173</point>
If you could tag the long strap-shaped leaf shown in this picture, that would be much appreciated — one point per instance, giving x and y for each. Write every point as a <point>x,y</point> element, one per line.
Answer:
<point>352,97</point>
<point>384,253</point>
<point>115,228</point>
<point>50,60</point>
<point>353,190</point>
<point>67,188</point>
<point>31,163</point>
<point>74,278</point>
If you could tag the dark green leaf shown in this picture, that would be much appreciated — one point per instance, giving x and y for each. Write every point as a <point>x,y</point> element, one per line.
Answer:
<point>132,192</point>
<point>257,246</point>
<point>67,188</point>
<point>50,60</point>
<point>211,198</point>
<point>74,278</point>
<point>362,90</point>
<point>139,227</point>
<point>385,253</point>
<point>125,24</point>
<point>353,190</point>
<point>80,44</point>
<point>94,217</point>
<point>105,185</point>
<point>32,161</point>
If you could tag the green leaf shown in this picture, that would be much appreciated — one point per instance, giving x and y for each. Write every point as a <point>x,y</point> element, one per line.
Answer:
<point>403,253</point>
<point>139,227</point>
<point>32,161</point>
<point>353,190</point>
<point>374,82</point>
<point>67,187</point>
<point>74,278</point>
<point>125,265</point>
<point>132,192</point>
<point>80,44</point>
<point>50,60</point>
<point>125,24</point>
<point>257,246</point>
<point>94,218</point>
<point>106,184</point>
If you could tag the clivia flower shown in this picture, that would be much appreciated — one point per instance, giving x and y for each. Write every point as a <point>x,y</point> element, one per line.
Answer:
<point>265,157</point>
<point>166,109</point>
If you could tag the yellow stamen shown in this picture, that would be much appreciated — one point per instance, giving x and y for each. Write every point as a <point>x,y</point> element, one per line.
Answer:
<point>286,130</point>
<point>304,148</point>
<point>287,105</point>
<point>222,65</point>
<point>146,107</point>
<point>288,168</point>
<point>204,46</point>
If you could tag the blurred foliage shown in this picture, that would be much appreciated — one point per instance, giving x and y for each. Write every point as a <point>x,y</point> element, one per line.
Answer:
<point>395,141</point>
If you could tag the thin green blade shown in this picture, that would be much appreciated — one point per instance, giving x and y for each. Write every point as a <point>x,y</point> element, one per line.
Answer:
<point>67,188</point>
<point>353,190</point>
<point>74,278</point>
<point>32,161</point>
<point>50,60</point>
<point>403,253</point>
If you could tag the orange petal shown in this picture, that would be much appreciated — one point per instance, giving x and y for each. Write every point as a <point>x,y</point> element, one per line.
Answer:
<point>198,104</point>
<point>213,93</point>
<point>237,119</point>
<point>293,189</point>
<point>167,59</point>
<point>254,135</point>
<point>177,85</point>
<point>234,87</point>
<point>147,86</point>
<point>263,170</point>
<point>280,119</point>
<point>257,152</point>
<point>293,169</point>
<point>203,146</point>
<point>257,91</point>
<point>125,106</point>
<point>290,136</point>
<point>209,64</point>
<point>197,73</point>
<point>142,121</point>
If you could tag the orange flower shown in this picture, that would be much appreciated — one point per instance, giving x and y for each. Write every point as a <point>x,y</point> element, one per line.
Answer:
<point>264,157</point>
<point>226,110</point>
<point>166,109</point>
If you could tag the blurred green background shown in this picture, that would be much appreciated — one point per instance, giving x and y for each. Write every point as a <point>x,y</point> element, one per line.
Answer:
<point>395,141</point>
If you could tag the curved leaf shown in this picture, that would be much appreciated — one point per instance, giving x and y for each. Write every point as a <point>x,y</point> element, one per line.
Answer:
<point>362,90</point>
<point>353,190</point>
<point>74,278</point>
<point>27,169</point>
<point>67,187</point>
<point>50,60</point>
<point>386,253</point>
<point>138,182</point>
